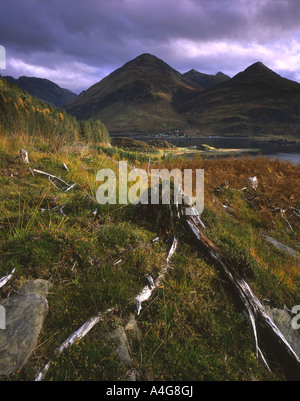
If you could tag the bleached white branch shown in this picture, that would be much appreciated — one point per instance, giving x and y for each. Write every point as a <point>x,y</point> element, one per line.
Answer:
<point>6,278</point>
<point>51,176</point>
<point>76,336</point>
<point>72,186</point>
<point>146,292</point>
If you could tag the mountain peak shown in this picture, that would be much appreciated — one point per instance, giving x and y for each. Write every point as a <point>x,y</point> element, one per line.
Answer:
<point>258,67</point>
<point>206,81</point>
<point>220,74</point>
<point>257,71</point>
<point>146,57</point>
<point>147,61</point>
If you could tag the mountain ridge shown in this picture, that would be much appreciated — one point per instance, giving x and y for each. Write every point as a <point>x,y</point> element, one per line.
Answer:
<point>44,89</point>
<point>206,81</point>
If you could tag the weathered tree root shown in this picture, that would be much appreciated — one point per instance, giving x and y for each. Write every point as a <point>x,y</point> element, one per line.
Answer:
<point>276,346</point>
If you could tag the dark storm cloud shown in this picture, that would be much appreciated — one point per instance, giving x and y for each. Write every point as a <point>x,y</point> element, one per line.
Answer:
<point>77,42</point>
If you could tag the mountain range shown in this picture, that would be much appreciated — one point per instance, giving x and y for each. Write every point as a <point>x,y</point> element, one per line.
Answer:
<point>255,102</point>
<point>44,89</point>
<point>146,95</point>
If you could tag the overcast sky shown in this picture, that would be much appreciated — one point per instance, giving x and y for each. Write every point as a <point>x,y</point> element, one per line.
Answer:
<point>75,43</point>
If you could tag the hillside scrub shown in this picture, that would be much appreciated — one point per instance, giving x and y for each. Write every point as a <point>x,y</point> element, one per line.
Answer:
<point>23,114</point>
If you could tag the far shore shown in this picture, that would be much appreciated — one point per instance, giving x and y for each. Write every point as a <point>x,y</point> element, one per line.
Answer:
<point>190,153</point>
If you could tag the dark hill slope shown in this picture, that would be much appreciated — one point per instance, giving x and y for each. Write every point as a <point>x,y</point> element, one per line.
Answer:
<point>44,89</point>
<point>206,81</point>
<point>256,101</point>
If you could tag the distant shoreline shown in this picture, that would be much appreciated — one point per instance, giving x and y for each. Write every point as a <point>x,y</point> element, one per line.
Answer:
<point>220,147</point>
<point>276,138</point>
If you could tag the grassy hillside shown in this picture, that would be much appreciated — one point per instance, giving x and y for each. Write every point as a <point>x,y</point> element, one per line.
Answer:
<point>96,257</point>
<point>23,114</point>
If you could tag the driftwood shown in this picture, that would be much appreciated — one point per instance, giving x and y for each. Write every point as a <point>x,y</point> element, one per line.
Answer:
<point>282,214</point>
<point>51,176</point>
<point>59,209</point>
<point>70,187</point>
<point>76,336</point>
<point>295,211</point>
<point>252,182</point>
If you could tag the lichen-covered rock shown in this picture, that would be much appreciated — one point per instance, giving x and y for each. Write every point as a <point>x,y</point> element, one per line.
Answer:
<point>25,313</point>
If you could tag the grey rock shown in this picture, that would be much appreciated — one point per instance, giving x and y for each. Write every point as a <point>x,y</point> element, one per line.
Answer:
<point>25,315</point>
<point>283,248</point>
<point>123,339</point>
<point>133,327</point>
<point>118,336</point>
